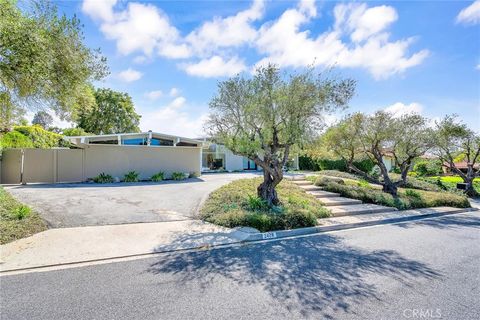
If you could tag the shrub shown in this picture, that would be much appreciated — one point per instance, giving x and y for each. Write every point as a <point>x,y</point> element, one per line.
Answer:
<point>321,181</point>
<point>15,139</point>
<point>131,176</point>
<point>42,138</point>
<point>103,178</point>
<point>233,205</point>
<point>405,200</point>
<point>363,183</point>
<point>178,176</point>
<point>21,212</point>
<point>76,132</point>
<point>158,176</point>
<point>339,174</point>
<point>428,167</point>
<point>311,164</point>
<point>254,203</point>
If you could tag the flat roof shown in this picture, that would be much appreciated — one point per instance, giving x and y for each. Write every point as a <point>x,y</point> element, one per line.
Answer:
<point>116,135</point>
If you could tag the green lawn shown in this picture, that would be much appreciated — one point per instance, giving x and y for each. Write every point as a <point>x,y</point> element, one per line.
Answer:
<point>17,220</point>
<point>236,204</point>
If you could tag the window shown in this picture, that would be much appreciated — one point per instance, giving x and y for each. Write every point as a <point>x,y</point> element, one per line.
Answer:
<point>161,142</point>
<point>134,141</point>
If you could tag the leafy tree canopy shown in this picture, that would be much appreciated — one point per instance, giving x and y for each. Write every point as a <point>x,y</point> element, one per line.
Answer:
<point>43,119</point>
<point>113,112</point>
<point>43,61</point>
<point>266,116</point>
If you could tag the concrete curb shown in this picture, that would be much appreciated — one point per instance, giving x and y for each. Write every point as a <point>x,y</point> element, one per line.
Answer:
<point>321,229</point>
<point>243,238</point>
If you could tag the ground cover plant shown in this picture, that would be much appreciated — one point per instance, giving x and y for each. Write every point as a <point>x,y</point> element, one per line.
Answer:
<point>405,199</point>
<point>17,220</point>
<point>237,204</point>
<point>131,176</point>
<point>103,178</point>
<point>159,176</point>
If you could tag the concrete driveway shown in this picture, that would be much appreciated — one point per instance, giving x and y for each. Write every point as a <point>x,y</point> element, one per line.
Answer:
<point>84,204</point>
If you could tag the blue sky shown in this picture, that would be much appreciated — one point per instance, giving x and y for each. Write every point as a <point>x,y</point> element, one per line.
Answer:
<point>420,56</point>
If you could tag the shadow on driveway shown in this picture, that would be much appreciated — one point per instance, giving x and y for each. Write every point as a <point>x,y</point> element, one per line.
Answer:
<point>322,274</point>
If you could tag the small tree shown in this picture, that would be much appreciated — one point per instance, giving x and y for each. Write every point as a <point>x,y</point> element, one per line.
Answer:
<point>43,119</point>
<point>266,116</point>
<point>113,113</point>
<point>454,141</point>
<point>405,138</point>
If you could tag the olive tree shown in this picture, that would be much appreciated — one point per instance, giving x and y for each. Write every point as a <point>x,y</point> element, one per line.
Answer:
<point>453,141</point>
<point>405,138</point>
<point>43,60</point>
<point>265,116</point>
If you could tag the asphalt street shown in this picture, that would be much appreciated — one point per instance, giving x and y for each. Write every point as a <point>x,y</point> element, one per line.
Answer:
<point>427,269</point>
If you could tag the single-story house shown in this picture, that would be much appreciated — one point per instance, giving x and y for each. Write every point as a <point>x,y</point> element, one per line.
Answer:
<point>462,166</point>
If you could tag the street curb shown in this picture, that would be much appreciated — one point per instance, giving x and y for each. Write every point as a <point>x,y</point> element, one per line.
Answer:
<point>247,238</point>
<point>321,229</point>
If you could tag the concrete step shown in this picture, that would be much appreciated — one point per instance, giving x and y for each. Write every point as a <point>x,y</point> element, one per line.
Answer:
<point>302,182</point>
<point>323,194</point>
<point>339,201</point>
<point>310,187</point>
<point>348,210</point>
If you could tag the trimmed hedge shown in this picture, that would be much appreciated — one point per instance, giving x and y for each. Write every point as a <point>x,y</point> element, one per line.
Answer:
<point>310,164</point>
<point>236,204</point>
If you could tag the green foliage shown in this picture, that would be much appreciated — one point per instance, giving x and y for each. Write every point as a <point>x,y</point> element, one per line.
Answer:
<point>16,219</point>
<point>405,200</point>
<point>103,178</point>
<point>311,164</point>
<point>15,139</point>
<point>43,119</point>
<point>254,203</point>
<point>339,174</point>
<point>428,167</point>
<point>450,183</point>
<point>22,212</point>
<point>363,183</point>
<point>32,137</point>
<point>233,205</point>
<point>43,58</point>
<point>320,181</point>
<point>178,176</point>
<point>131,176</point>
<point>159,176</point>
<point>70,132</point>
<point>113,112</point>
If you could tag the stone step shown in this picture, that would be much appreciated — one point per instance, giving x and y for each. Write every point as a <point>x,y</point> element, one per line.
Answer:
<point>339,201</point>
<point>348,210</point>
<point>323,194</point>
<point>310,187</point>
<point>302,182</point>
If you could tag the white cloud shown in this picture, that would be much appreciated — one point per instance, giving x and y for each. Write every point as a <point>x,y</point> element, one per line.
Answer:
<point>231,31</point>
<point>399,109</point>
<point>154,95</point>
<point>174,92</point>
<point>130,75</point>
<point>172,119</point>
<point>284,43</point>
<point>470,15</point>
<point>215,66</point>
<point>99,10</point>
<point>477,66</point>
<point>139,28</point>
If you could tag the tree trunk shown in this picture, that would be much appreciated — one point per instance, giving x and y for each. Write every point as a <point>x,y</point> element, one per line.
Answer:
<point>468,180</point>
<point>266,190</point>
<point>390,187</point>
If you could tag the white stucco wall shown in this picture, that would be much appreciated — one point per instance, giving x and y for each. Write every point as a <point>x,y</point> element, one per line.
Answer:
<point>232,161</point>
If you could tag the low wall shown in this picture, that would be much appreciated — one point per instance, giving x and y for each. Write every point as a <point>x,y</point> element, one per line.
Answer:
<point>77,165</point>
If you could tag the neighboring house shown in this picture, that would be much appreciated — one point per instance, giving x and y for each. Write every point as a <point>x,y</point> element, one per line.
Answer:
<point>462,166</point>
<point>217,157</point>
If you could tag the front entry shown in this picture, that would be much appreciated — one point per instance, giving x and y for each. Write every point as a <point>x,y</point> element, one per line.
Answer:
<point>249,164</point>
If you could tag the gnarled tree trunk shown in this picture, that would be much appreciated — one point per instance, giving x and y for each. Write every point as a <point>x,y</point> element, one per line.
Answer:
<point>266,190</point>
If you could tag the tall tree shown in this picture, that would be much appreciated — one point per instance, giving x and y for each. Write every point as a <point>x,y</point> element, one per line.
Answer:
<point>113,112</point>
<point>10,114</point>
<point>455,141</point>
<point>43,119</point>
<point>264,117</point>
<point>43,61</point>
<point>405,138</point>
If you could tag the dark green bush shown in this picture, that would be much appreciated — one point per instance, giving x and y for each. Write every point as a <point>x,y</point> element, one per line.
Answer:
<point>310,164</point>
<point>131,176</point>
<point>103,178</point>
<point>158,176</point>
